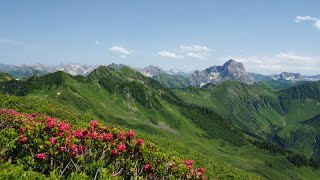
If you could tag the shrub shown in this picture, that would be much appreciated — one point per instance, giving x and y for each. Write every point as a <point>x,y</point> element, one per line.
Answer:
<point>45,144</point>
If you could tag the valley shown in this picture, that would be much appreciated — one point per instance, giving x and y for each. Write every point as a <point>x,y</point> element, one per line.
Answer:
<point>279,116</point>
<point>192,117</point>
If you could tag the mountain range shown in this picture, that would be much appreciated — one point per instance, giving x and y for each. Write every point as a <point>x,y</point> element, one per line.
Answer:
<point>25,71</point>
<point>275,132</point>
<point>229,71</point>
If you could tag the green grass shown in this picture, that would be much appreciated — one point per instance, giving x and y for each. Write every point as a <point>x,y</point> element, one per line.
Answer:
<point>252,108</point>
<point>127,98</point>
<point>263,111</point>
<point>215,167</point>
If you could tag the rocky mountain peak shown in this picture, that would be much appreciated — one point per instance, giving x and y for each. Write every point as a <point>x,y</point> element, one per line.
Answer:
<point>287,76</point>
<point>151,71</point>
<point>230,70</point>
<point>232,65</point>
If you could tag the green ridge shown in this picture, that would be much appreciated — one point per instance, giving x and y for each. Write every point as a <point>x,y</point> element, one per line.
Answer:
<point>127,98</point>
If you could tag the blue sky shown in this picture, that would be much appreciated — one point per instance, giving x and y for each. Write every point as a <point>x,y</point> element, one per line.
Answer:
<point>268,36</point>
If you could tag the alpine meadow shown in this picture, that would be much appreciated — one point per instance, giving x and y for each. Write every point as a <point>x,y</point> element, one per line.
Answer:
<point>159,90</point>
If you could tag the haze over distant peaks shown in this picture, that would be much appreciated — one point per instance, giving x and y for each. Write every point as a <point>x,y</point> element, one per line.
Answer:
<point>231,70</point>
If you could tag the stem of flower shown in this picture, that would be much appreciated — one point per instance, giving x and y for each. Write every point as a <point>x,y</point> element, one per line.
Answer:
<point>95,176</point>
<point>64,169</point>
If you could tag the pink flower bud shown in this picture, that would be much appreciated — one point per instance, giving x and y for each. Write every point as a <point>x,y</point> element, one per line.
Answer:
<point>140,142</point>
<point>41,156</point>
<point>121,147</point>
<point>53,140</point>
<point>115,153</point>
<point>131,134</point>
<point>93,123</point>
<point>147,167</point>
<point>22,139</point>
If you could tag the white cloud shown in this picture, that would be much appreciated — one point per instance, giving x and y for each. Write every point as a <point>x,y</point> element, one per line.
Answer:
<point>195,51</point>
<point>4,40</point>
<point>97,42</point>
<point>281,62</point>
<point>291,56</point>
<point>195,48</point>
<point>192,51</point>
<point>121,51</point>
<point>305,18</point>
<point>314,20</point>
<point>167,54</point>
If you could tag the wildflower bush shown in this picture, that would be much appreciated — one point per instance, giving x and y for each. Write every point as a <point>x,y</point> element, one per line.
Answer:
<point>47,145</point>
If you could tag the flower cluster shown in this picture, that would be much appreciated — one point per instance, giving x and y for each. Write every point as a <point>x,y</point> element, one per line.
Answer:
<point>194,172</point>
<point>58,145</point>
<point>41,156</point>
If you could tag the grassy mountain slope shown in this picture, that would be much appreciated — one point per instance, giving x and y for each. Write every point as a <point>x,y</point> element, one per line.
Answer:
<point>281,84</point>
<point>172,81</point>
<point>215,168</point>
<point>127,98</point>
<point>130,98</point>
<point>278,116</point>
<point>5,77</point>
<point>301,106</point>
<point>253,108</point>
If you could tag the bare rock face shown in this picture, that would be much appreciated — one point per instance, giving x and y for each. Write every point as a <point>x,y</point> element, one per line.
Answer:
<point>287,76</point>
<point>230,70</point>
<point>151,71</point>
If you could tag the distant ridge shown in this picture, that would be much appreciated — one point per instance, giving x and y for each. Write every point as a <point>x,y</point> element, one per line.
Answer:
<point>231,70</point>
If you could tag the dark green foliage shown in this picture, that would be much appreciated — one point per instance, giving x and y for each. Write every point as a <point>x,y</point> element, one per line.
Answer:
<point>314,163</point>
<point>213,124</point>
<point>302,92</point>
<point>23,88</point>
<point>9,171</point>
<point>273,148</point>
<point>314,122</point>
<point>169,118</point>
<point>298,160</point>
<point>140,93</point>
<point>153,121</point>
<point>194,89</point>
<point>18,88</point>
<point>108,85</point>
